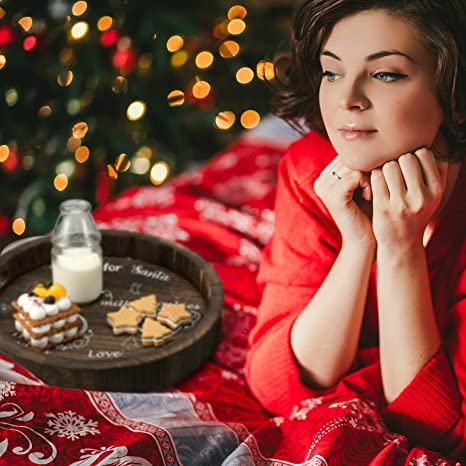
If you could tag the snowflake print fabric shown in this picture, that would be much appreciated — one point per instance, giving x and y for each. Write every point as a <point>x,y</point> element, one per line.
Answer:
<point>70,425</point>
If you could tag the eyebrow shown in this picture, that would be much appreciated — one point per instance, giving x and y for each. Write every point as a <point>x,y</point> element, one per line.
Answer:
<point>373,56</point>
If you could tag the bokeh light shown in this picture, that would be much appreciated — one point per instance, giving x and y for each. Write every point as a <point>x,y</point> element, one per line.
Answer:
<point>2,61</point>
<point>67,168</point>
<point>225,120</point>
<point>179,58</point>
<point>221,30</point>
<point>229,49</point>
<point>11,97</point>
<point>26,23</point>
<point>204,59</point>
<point>64,79</point>
<point>60,182</point>
<point>79,8</point>
<point>44,111</point>
<point>140,165</point>
<point>175,43</point>
<point>175,98</point>
<point>4,152</point>
<point>145,60</point>
<point>244,75</point>
<point>67,56</point>
<point>265,70</point>
<point>79,30</point>
<point>201,89</point>
<point>18,226</point>
<point>136,110</point>
<point>82,154</point>
<point>72,144</point>
<point>29,43</point>
<point>250,119</point>
<point>236,26</point>
<point>73,106</point>
<point>104,23</point>
<point>122,163</point>
<point>79,129</point>
<point>120,85</point>
<point>159,172</point>
<point>237,11</point>
<point>112,173</point>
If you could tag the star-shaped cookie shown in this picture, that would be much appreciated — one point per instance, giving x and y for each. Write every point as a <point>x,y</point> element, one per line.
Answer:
<point>124,321</point>
<point>155,333</point>
<point>174,315</point>
<point>146,305</point>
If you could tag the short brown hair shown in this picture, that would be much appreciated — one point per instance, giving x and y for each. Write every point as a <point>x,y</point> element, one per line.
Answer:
<point>442,25</point>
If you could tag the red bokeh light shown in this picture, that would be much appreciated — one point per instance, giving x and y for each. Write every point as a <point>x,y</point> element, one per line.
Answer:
<point>109,38</point>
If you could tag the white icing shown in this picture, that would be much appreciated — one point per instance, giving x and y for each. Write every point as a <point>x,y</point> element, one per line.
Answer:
<point>29,303</point>
<point>42,329</point>
<point>57,338</point>
<point>59,323</point>
<point>39,342</point>
<point>64,303</point>
<point>36,312</point>
<point>50,309</point>
<point>120,330</point>
<point>71,332</point>
<point>72,318</point>
<point>22,299</point>
<point>18,326</point>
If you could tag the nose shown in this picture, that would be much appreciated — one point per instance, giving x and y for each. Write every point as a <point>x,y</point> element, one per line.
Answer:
<point>352,96</point>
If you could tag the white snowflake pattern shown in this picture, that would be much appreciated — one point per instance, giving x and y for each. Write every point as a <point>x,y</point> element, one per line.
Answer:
<point>6,389</point>
<point>225,161</point>
<point>300,411</point>
<point>249,250</point>
<point>70,425</point>
<point>240,189</point>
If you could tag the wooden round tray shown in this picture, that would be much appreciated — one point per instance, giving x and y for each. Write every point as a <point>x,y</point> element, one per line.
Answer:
<point>135,265</point>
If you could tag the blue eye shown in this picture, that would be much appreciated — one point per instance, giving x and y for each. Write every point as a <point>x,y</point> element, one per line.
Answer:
<point>330,75</point>
<point>389,77</point>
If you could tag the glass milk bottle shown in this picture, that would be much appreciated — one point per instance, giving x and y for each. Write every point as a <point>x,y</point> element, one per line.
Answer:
<point>76,252</point>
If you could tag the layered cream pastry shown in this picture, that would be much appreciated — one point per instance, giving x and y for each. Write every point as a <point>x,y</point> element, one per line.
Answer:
<point>46,317</point>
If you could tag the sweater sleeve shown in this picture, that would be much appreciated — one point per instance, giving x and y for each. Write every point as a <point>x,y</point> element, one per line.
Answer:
<point>293,266</point>
<point>432,408</point>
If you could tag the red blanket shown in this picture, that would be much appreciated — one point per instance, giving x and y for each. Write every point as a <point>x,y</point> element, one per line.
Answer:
<point>224,212</point>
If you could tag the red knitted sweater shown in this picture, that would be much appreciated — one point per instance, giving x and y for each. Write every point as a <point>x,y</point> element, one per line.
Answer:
<point>431,410</point>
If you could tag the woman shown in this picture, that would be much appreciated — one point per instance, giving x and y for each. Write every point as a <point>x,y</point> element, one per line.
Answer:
<point>364,281</point>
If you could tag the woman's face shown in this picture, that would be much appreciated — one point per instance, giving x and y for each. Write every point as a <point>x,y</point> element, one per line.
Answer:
<point>377,95</point>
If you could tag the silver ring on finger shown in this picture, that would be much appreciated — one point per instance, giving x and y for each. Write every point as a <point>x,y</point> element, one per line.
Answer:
<point>336,175</point>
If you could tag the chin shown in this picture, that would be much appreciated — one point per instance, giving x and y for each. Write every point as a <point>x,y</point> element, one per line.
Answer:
<point>362,162</point>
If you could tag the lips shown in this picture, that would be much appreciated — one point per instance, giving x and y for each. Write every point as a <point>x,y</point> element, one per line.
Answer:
<point>353,132</point>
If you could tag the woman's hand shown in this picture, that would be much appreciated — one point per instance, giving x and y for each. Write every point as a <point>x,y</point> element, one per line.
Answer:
<point>406,193</point>
<point>347,195</point>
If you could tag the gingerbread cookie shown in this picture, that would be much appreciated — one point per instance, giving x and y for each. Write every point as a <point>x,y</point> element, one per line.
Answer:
<point>155,333</point>
<point>146,305</point>
<point>124,320</point>
<point>174,315</point>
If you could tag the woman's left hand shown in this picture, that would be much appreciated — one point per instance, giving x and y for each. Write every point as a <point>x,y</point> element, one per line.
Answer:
<point>406,194</point>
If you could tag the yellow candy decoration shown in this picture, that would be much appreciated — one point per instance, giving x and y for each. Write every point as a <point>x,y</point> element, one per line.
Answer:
<point>57,290</point>
<point>41,291</point>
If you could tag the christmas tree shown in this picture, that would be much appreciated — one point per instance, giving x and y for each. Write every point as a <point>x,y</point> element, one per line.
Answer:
<point>99,97</point>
